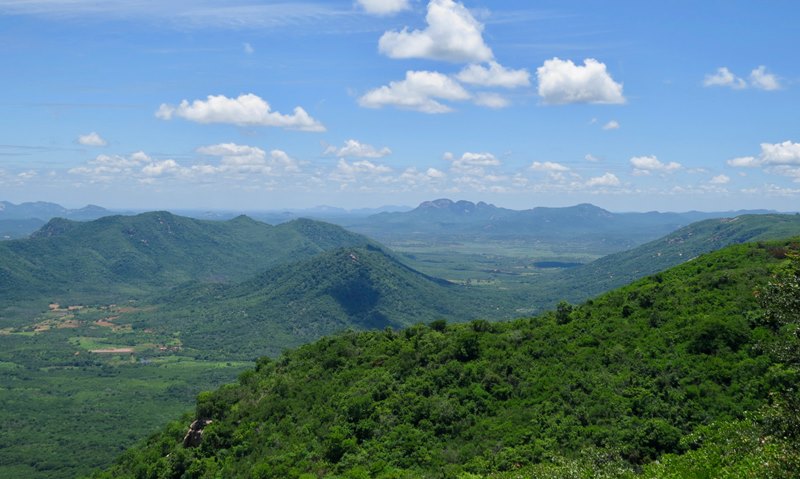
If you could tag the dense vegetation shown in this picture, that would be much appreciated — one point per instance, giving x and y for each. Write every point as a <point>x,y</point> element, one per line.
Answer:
<point>134,255</point>
<point>689,242</point>
<point>255,289</point>
<point>667,367</point>
<point>289,305</point>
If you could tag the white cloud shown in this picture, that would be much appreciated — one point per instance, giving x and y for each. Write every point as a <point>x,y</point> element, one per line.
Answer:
<point>245,110</point>
<point>611,125</point>
<point>775,156</point>
<point>244,159</point>
<point>474,162</point>
<point>786,153</point>
<point>562,82</point>
<point>356,149</point>
<point>608,179</point>
<point>350,172</point>
<point>591,158</point>
<point>644,165</point>
<point>452,34</point>
<point>745,162</point>
<point>491,100</point>
<point>104,168</point>
<point>759,78</point>
<point>413,177</point>
<point>494,76</point>
<point>27,175</point>
<point>548,166</point>
<point>419,91</point>
<point>160,168</point>
<point>434,173</point>
<point>384,7</point>
<point>724,77</point>
<point>92,139</point>
<point>720,180</point>
<point>248,48</point>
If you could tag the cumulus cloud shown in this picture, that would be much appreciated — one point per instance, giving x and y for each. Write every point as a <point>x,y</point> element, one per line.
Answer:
<point>244,159</point>
<point>611,125</point>
<point>645,165</point>
<point>245,110</point>
<point>759,78</point>
<point>725,78</point>
<point>591,158</point>
<point>434,173</point>
<point>772,154</point>
<point>495,75</point>
<point>106,167</point>
<point>491,100</point>
<point>346,172</point>
<point>745,162</point>
<point>474,162</point>
<point>548,166</point>
<point>562,82</point>
<point>384,7</point>
<point>356,149</point>
<point>608,179</point>
<point>412,177</point>
<point>720,180</point>
<point>786,153</point>
<point>452,34</point>
<point>419,91</point>
<point>161,168</point>
<point>92,139</point>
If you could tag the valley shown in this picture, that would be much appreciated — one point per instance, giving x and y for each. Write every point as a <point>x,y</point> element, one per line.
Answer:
<point>171,334</point>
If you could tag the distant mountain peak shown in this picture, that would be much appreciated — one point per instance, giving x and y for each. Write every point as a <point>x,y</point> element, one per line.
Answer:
<point>438,204</point>
<point>460,207</point>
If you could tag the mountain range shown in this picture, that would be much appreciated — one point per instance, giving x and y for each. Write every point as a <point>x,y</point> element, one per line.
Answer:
<point>203,295</point>
<point>583,225</point>
<point>20,220</point>
<point>154,251</point>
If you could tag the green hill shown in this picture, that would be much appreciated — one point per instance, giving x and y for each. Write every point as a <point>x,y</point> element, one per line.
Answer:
<point>347,288</point>
<point>604,388</point>
<point>152,251</point>
<point>683,245</point>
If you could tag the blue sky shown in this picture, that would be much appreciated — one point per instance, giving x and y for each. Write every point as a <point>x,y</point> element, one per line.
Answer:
<point>250,105</point>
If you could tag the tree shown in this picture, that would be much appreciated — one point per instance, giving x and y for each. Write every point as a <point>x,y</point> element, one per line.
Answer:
<point>780,300</point>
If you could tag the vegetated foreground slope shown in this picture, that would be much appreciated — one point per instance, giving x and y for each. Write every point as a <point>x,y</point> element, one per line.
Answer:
<point>600,388</point>
<point>348,288</point>
<point>615,270</point>
<point>153,251</point>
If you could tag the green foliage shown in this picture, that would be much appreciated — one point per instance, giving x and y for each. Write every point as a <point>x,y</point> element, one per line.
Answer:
<point>348,288</point>
<point>602,395</point>
<point>121,255</point>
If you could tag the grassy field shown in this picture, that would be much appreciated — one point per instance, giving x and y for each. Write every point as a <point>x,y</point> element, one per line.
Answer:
<point>490,263</point>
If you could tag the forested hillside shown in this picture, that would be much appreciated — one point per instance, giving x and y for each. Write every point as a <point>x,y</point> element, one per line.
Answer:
<point>685,244</point>
<point>670,365</point>
<point>289,305</point>
<point>153,251</point>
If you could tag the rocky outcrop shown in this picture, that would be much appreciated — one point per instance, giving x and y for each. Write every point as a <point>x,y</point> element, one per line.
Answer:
<point>194,436</point>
